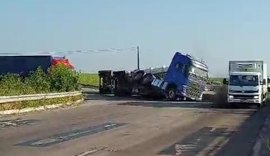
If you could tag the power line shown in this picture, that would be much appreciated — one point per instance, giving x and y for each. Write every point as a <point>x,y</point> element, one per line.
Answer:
<point>89,51</point>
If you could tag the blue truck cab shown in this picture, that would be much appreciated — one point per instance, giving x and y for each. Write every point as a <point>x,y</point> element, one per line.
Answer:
<point>185,78</point>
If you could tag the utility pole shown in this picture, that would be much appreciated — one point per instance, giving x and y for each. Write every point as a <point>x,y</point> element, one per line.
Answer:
<point>138,57</point>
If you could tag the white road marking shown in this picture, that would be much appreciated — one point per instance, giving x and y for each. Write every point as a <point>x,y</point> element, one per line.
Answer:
<point>213,129</point>
<point>44,141</point>
<point>182,148</point>
<point>89,152</point>
<point>109,125</point>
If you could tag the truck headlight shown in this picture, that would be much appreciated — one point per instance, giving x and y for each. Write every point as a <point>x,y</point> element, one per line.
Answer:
<point>230,97</point>
<point>256,97</point>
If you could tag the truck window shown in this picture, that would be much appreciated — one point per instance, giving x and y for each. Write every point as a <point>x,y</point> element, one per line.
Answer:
<point>182,68</point>
<point>199,72</point>
<point>241,80</point>
<point>179,67</point>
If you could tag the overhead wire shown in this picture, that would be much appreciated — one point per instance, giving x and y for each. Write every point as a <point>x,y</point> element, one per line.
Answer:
<point>89,51</point>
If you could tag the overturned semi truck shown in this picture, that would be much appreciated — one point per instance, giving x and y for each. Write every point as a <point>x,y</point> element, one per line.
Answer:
<point>184,79</point>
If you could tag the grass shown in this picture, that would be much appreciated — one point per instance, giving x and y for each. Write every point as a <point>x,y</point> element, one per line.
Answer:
<point>37,103</point>
<point>90,80</point>
<point>216,80</point>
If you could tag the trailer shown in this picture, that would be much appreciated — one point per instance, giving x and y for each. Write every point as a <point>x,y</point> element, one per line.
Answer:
<point>24,64</point>
<point>184,79</point>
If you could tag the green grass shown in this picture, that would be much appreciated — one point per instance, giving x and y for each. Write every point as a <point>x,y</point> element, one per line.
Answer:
<point>88,79</point>
<point>216,80</point>
<point>42,102</point>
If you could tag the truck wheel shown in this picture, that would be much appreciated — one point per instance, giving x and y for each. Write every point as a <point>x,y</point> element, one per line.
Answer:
<point>171,93</point>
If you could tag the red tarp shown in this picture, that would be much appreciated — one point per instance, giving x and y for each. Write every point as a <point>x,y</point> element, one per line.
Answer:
<point>62,61</point>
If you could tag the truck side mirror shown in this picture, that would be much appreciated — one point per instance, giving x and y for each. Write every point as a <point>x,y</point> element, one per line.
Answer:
<point>225,81</point>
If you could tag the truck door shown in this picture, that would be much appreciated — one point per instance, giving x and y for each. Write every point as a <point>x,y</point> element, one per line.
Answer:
<point>177,70</point>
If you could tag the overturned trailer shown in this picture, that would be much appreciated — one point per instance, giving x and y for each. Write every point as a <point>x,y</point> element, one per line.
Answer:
<point>185,78</point>
<point>124,83</point>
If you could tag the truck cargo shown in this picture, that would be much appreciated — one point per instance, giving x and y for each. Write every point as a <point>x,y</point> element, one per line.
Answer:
<point>184,79</point>
<point>247,82</point>
<point>24,64</point>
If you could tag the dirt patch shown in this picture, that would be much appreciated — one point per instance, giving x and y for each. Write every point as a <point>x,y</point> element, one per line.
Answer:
<point>208,96</point>
<point>220,98</point>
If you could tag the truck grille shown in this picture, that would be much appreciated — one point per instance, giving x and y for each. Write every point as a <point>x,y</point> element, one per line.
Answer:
<point>247,91</point>
<point>243,96</point>
<point>194,87</point>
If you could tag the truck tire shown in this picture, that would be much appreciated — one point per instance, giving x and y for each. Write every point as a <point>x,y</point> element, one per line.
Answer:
<point>171,95</point>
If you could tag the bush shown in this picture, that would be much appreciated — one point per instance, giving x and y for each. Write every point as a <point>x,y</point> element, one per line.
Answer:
<point>39,81</point>
<point>63,79</point>
<point>58,79</point>
<point>12,84</point>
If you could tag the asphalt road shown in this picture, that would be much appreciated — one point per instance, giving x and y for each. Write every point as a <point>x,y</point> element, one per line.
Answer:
<point>106,126</point>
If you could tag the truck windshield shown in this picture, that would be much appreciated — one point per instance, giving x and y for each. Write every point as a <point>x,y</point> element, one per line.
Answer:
<point>199,72</point>
<point>244,80</point>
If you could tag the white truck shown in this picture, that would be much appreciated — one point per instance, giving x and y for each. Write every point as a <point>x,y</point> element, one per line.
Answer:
<point>247,82</point>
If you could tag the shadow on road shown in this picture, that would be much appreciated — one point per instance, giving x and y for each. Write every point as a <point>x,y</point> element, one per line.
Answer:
<point>161,104</point>
<point>183,104</point>
<point>196,142</point>
<point>107,97</point>
<point>93,94</point>
<point>243,140</point>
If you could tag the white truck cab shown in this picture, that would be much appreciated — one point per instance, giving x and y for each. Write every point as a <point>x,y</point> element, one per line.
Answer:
<point>247,82</point>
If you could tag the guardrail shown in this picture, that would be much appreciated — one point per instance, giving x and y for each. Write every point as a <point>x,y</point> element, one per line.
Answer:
<point>6,99</point>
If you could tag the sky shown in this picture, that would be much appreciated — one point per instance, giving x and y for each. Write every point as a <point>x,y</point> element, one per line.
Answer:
<point>215,31</point>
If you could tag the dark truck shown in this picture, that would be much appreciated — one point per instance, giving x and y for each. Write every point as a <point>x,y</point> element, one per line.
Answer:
<point>23,64</point>
<point>184,79</point>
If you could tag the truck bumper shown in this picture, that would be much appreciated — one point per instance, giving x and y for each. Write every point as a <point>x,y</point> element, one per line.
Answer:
<point>251,101</point>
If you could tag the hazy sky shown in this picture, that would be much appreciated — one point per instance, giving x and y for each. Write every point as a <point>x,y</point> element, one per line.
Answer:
<point>216,31</point>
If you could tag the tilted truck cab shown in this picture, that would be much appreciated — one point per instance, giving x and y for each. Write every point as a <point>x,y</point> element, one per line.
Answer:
<point>186,78</point>
<point>247,82</point>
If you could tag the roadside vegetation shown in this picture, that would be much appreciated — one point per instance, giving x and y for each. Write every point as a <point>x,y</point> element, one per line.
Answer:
<point>89,80</point>
<point>43,102</point>
<point>56,79</point>
<point>215,80</point>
